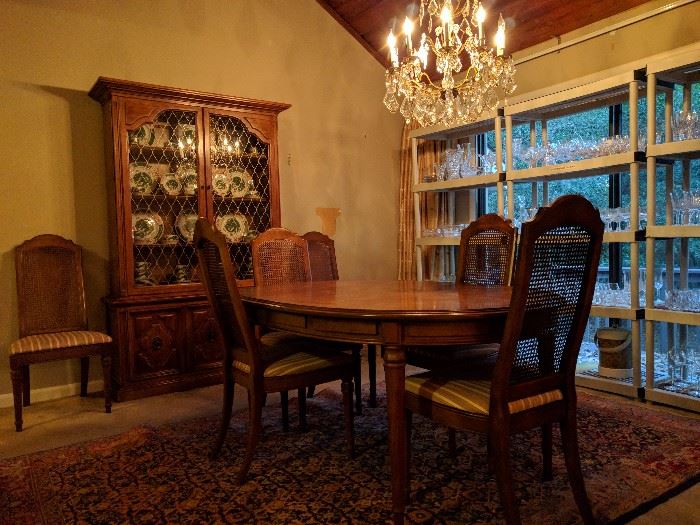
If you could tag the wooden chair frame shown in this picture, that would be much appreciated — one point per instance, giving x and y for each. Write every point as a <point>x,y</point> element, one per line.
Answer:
<point>32,297</point>
<point>506,384</point>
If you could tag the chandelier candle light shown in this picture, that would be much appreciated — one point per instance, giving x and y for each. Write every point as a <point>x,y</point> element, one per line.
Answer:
<point>458,39</point>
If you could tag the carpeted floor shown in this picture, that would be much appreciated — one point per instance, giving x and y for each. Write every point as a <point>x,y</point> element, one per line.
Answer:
<point>631,458</point>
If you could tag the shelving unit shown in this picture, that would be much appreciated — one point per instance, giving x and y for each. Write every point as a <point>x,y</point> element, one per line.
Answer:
<point>682,68</point>
<point>463,208</point>
<point>165,336</point>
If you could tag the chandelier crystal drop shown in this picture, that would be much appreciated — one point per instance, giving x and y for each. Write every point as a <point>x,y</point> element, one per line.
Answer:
<point>454,37</point>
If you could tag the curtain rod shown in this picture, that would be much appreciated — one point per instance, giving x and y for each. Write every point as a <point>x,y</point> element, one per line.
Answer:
<point>624,23</point>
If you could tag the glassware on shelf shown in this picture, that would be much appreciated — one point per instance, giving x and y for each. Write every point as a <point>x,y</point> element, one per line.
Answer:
<point>685,125</point>
<point>445,230</point>
<point>685,207</point>
<point>683,300</point>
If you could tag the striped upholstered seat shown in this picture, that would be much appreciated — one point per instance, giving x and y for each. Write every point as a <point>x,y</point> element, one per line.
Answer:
<point>470,395</point>
<point>55,340</point>
<point>299,363</point>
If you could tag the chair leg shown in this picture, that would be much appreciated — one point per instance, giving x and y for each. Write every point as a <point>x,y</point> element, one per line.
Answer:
<point>26,399</point>
<point>452,442</point>
<point>569,441</point>
<point>284,401</point>
<point>16,373</point>
<point>107,375</point>
<point>84,373</point>
<point>372,372</point>
<point>227,409</point>
<point>254,428</point>
<point>311,391</point>
<point>346,389</point>
<point>547,452</point>
<point>301,398</point>
<point>357,380</point>
<point>500,447</point>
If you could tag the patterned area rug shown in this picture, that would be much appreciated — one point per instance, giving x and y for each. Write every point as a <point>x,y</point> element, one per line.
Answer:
<point>632,458</point>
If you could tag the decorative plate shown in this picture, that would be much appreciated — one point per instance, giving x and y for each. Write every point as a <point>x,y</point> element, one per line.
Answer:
<point>185,225</point>
<point>146,227</point>
<point>143,136</point>
<point>188,179</point>
<point>185,134</point>
<point>240,183</point>
<point>234,226</point>
<point>221,182</point>
<point>141,178</point>
<point>170,184</point>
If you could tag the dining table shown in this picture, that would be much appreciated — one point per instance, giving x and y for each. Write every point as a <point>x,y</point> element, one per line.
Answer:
<point>394,314</point>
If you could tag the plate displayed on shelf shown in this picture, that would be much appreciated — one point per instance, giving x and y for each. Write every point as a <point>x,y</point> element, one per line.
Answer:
<point>141,178</point>
<point>240,183</point>
<point>170,184</point>
<point>188,178</point>
<point>146,227</point>
<point>185,225</point>
<point>221,182</point>
<point>185,134</point>
<point>234,226</point>
<point>143,136</point>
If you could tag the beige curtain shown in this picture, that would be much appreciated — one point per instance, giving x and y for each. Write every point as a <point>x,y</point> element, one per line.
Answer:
<point>438,260</point>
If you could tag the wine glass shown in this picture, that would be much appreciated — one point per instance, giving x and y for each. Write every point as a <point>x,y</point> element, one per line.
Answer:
<point>659,278</point>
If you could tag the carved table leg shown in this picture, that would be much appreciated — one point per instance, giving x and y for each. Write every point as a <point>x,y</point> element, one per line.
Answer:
<point>16,375</point>
<point>395,372</point>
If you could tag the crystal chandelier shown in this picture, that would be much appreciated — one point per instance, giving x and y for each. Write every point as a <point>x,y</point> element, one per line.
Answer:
<point>458,40</point>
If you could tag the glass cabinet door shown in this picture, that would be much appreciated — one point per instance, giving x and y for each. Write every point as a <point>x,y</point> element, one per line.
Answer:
<point>240,186</point>
<point>164,184</point>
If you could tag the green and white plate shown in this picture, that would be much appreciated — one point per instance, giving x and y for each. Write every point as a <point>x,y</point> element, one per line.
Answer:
<point>188,178</point>
<point>221,182</point>
<point>185,225</point>
<point>141,178</point>
<point>234,226</point>
<point>170,184</point>
<point>240,183</point>
<point>146,227</point>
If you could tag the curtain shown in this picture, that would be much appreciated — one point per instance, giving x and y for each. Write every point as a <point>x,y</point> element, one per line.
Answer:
<point>438,261</point>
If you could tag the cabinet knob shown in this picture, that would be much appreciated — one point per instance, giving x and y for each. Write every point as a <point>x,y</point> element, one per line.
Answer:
<point>211,336</point>
<point>156,343</point>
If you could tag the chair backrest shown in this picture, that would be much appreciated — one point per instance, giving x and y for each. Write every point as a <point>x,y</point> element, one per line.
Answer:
<point>280,256</point>
<point>50,288</point>
<point>552,294</point>
<point>321,257</point>
<point>486,251</point>
<point>219,277</point>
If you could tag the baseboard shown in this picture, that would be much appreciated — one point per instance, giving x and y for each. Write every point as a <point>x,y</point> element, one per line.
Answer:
<point>53,392</point>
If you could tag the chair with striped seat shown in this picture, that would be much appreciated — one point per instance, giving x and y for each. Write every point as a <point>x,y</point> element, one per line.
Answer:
<point>274,362</point>
<point>52,317</point>
<point>533,383</point>
<point>324,267</point>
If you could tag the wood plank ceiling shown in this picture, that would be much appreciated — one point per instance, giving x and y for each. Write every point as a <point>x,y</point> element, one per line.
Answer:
<point>528,22</point>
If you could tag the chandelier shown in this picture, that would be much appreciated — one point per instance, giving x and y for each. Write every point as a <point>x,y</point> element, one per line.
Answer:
<point>457,40</point>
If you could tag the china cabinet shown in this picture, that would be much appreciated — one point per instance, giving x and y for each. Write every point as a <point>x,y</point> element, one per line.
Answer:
<point>462,165</point>
<point>174,155</point>
<point>672,353</point>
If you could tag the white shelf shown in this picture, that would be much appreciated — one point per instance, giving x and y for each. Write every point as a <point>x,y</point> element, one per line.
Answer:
<point>625,236</point>
<point>441,132</point>
<point>670,232</point>
<point>672,316</point>
<point>605,384</point>
<point>456,184</point>
<point>616,312</point>
<point>665,397</point>
<point>619,162</point>
<point>681,149</point>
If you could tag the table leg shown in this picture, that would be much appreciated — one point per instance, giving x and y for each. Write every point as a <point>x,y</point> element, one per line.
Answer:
<point>395,374</point>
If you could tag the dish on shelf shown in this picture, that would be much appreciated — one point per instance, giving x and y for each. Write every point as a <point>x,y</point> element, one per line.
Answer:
<point>185,134</point>
<point>170,184</point>
<point>187,175</point>
<point>221,182</point>
<point>185,225</point>
<point>160,135</point>
<point>240,183</point>
<point>143,136</point>
<point>234,226</point>
<point>147,228</point>
<point>141,178</point>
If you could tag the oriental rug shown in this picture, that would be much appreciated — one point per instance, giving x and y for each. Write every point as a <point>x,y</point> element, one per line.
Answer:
<point>632,458</point>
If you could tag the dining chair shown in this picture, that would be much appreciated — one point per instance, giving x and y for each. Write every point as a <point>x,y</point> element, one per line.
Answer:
<point>281,256</point>
<point>485,258</point>
<point>533,383</point>
<point>52,317</point>
<point>274,362</point>
<point>324,267</point>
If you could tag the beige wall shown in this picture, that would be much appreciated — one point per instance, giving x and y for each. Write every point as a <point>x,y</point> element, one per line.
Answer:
<point>343,145</point>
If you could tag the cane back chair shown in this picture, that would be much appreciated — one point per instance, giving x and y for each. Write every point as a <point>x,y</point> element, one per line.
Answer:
<point>52,317</point>
<point>533,383</point>
<point>324,267</point>
<point>275,362</point>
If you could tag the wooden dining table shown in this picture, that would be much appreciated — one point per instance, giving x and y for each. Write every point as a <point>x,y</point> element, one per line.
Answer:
<point>393,314</point>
